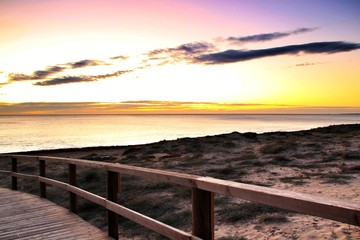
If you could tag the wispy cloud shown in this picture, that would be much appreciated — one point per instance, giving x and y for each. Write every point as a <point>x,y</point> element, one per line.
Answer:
<point>268,36</point>
<point>77,79</point>
<point>37,75</point>
<point>231,56</point>
<point>120,57</point>
<point>306,64</point>
<point>85,63</point>
<point>184,52</point>
<point>46,76</point>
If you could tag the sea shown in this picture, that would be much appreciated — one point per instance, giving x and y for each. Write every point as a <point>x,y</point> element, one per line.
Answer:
<point>28,133</point>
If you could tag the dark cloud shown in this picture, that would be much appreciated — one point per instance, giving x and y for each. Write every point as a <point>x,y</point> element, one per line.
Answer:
<point>190,48</point>
<point>114,74</point>
<point>18,77</point>
<point>184,52</point>
<point>77,79</point>
<point>65,80</point>
<point>231,56</point>
<point>52,70</point>
<point>196,47</point>
<point>86,63</point>
<point>48,72</point>
<point>40,74</point>
<point>268,36</point>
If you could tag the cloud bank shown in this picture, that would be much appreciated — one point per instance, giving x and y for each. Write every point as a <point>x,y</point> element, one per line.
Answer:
<point>268,36</point>
<point>158,107</point>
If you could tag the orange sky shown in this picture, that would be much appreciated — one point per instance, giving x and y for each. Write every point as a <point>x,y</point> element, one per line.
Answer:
<point>66,57</point>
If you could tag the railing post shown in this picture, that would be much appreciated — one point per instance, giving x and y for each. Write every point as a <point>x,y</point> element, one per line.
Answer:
<point>42,174</point>
<point>72,181</point>
<point>113,219</point>
<point>14,169</point>
<point>203,214</point>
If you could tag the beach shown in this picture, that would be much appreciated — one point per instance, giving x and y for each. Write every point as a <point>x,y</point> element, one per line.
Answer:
<point>322,162</point>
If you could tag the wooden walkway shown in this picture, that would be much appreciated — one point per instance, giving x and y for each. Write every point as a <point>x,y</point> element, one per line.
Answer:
<point>25,216</point>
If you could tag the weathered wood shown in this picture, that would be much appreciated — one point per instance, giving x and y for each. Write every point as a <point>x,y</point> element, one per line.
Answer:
<point>152,174</point>
<point>119,185</point>
<point>334,209</point>
<point>30,217</point>
<point>72,181</point>
<point>150,223</point>
<point>5,172</point>
<point>25,176</point>
<point>203,214</point>
<point>146,221</point>
<point>113,219</point>
<point>42,173</point>
<point>14,169</point>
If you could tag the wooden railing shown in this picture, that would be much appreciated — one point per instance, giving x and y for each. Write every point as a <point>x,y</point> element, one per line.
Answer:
<point>203,189</point>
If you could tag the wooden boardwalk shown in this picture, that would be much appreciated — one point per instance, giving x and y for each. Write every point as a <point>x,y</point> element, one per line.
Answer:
<point>25,216</point>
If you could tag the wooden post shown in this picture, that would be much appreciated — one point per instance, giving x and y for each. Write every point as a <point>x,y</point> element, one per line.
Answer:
<point>72,181</point>
<point>42,174</point>
<point>203,214</point>
<point>119,185</point>
<point>14,169</point>
<point>113,219</point>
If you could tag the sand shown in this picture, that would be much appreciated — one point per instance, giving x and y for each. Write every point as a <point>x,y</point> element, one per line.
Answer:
<point>323,162</point>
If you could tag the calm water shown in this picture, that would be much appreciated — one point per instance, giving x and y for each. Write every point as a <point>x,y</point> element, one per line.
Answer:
<point>25,133</point>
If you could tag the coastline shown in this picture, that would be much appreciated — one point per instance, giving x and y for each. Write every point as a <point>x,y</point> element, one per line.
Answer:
<point>322,161</point>
<point>114,147</point>
<point>31,133</point>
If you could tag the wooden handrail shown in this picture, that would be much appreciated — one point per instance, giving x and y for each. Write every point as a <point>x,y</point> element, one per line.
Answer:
<point>203,196</point>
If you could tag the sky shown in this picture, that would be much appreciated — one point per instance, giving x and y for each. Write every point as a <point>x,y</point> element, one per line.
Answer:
<point>179,56</point>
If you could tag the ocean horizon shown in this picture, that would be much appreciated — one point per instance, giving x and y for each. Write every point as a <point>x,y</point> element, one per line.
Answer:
<point>21,133</point>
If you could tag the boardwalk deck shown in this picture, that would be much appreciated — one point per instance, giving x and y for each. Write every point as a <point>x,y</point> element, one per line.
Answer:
<point>25,216</point>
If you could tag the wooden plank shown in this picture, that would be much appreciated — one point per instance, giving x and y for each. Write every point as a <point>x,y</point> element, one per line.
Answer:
<point>203,214</point>
<point>25,176</point>
<point>41,219</point>
<point>338,210</point>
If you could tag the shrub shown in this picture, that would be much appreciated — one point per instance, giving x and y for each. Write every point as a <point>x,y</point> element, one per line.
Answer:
<point>245,211</point>
<point>294,180</point>
<point>233,238</point>
<point>280,160</point>
<point>272,218</point>
<point>352,156</point>
<point>91,175</point>
<point>277,147</point>
<point>336,178</point>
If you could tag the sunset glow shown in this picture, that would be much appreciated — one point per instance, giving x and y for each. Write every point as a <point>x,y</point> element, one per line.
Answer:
<point>120,57</point>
